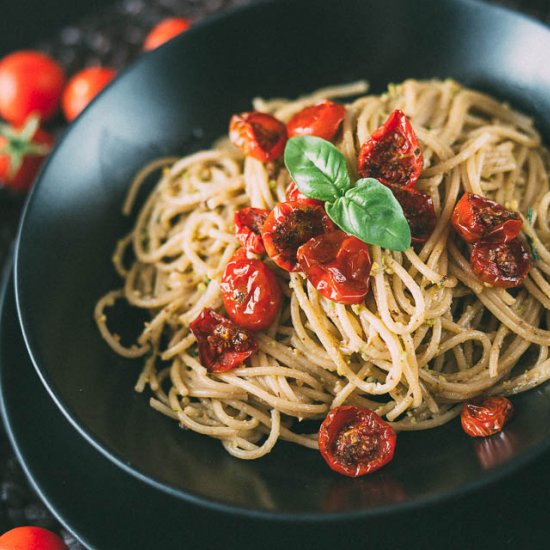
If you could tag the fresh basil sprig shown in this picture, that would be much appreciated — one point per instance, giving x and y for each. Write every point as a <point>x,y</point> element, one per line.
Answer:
<point>317,167</point>
<point>367,210</point>
<point>371,212</point>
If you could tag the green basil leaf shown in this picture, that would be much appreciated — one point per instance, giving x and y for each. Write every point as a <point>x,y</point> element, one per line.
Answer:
<point>371,213</point>
<point>317,167</point>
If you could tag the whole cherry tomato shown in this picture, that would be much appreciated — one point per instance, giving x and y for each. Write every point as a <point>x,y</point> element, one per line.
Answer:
<point>83,87</point>
<point>164,31</point>
<point>251,294</point>
<point>30,84</point>
<point>289,226</point>
<point>293,194</point>
<point>355,441</point>
<point>338,266</point>
<point>22,151</point>
<point>248,223</point>
<point>222,344</point>
<point>258,135</point>
<point>31,538</point>
<point>392,154</point>
<point>485,415</point>
<point>322,120</point>
<point>419,210</point>
<point>476,218</point>
<point>503,265</point>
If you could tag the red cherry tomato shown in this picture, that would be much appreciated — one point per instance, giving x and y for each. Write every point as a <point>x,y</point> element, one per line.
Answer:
<point>338,266</point>
<point>251,293</point>
<point>83,87</point>
<point>419,210</point>
<point>31,538</point>
<point>30,84</point>
<point>293,194</point>
<point>355,441</point>
<point>258,135</point>
<point>392,154</point>
<point>22,151</point>
<point>476,218</point>
<point>248,223</point>
<point>322,120</point>
<point>222,344</point>
<point>503,265</point>
<point>164,31</point>
<point>485,415</point>
<point>289,226</point>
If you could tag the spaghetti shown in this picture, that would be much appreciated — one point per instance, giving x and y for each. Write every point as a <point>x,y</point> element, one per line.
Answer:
<point>428,336</point>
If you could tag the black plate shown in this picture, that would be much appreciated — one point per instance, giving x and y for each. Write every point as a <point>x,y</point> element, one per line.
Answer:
<point>161,105</point>
<point>108,508</point>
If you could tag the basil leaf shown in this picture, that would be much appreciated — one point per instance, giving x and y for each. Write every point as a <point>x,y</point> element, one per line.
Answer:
<point>317,167</point>
<point>371,213</point>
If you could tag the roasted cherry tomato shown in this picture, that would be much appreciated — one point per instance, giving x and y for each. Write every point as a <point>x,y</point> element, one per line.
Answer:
<point>476,218</point>
<point>30,84</point>
<point>485,415</point>
<point>392,154</point>
<point>22,150</point>
<point>322,120</point>
<point>355,441</point>
<point>164,31</point>
<point>251,293</point>
<point>83,87</point>
<point>258,135</point>
<point>222,344</point>
<point>289,226</point>
<point>418,208</point>
<point>248,223</point>
<point>31,538</point>
<point>501,264</point>
<point>294,194</point>
<point>338,266</point>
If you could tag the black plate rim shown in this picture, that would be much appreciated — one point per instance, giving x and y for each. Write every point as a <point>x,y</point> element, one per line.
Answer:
<point>6,284</point>
<point>189,496</point>
<point>37,488</point>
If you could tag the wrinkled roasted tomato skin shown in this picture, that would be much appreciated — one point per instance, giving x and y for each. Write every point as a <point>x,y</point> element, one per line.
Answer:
<point>419,210</point>
<point>338,265</point>
<point>251,293</point>
<point>258,135</point>
<point>355,441</point>
<point>485,416</point>
<point>248,222</point>
<point>289,226</point>
<point>392,154</point>
<point>477,218</point>
<point>503,265</point>
<point>222,344</point>
<point>322,120</point>
<point>293,194</point>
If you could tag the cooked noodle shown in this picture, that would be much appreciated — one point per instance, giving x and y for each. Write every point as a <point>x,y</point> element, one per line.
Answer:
<point>429,335</point>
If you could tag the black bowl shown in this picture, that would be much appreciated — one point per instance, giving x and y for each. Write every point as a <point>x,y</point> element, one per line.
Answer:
<point>179,99</point>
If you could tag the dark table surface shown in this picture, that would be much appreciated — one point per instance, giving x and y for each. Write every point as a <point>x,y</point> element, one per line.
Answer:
<point>84,32</point>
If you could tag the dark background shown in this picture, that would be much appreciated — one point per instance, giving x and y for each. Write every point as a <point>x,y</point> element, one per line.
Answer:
<point>26,22</point>
<point>511,513</point>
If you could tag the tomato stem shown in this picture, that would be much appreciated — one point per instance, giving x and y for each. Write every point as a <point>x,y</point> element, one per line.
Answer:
<point>19,143</point>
